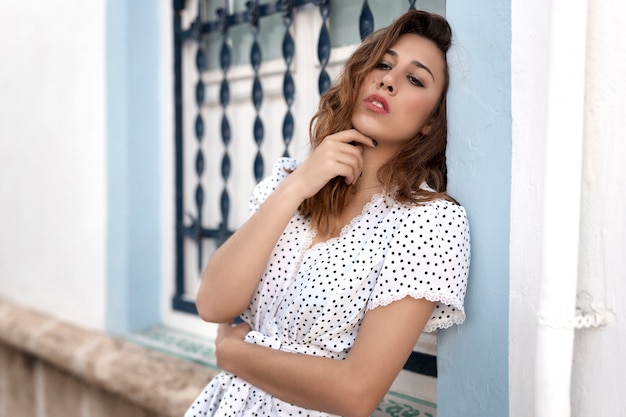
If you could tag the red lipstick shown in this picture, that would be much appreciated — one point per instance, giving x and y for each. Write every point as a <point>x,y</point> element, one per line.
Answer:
<point>376,104</point>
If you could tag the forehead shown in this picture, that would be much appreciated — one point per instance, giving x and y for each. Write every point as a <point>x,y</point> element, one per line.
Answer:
<point>411,47</point>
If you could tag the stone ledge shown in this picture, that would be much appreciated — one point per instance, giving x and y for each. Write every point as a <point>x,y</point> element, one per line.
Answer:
<point>152,380</point>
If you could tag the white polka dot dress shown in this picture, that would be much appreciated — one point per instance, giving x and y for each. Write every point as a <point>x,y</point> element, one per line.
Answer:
<point>311,300</point>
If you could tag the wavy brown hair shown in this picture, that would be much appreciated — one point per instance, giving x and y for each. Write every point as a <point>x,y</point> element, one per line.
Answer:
<point>422,160</point>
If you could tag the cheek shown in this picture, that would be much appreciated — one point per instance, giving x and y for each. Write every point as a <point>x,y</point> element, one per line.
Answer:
<point>426,106</point>
<point>367,81</point>
<point>417,114</point>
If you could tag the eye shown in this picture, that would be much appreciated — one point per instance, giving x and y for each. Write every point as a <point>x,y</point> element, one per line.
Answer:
<point>383,66</point>
<point>415,81</point>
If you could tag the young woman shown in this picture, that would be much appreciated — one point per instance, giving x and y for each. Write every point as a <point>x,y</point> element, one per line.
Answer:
<point>349,255</point>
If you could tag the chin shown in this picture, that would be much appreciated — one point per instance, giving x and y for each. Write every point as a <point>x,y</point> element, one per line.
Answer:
<point>365,129</point>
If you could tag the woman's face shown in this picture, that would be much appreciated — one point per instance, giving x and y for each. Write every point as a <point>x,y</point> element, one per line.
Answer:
<point>398,96</point>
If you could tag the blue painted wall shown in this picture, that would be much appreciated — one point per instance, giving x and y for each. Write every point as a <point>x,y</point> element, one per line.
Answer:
<point>133,165</point>
<point>473,358</point>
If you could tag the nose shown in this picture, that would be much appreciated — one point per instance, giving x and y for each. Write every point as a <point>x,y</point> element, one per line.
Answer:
<point>387,83</point>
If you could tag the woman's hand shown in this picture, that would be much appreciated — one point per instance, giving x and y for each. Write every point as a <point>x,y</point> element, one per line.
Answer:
<point>353,386</point>
<point>339,154</point>
<point>227,334</point>
<point>228,283</point>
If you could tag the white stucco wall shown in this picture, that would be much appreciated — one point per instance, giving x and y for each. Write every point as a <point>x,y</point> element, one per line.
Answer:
<point>529,62</point>
<point>52,157</point>
<point>597,366</point>
<point>598,353</point>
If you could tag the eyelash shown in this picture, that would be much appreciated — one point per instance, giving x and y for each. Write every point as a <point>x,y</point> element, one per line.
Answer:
<point>413,80</point>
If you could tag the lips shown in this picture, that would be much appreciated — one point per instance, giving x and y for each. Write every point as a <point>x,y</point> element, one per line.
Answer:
<point>376,104</point>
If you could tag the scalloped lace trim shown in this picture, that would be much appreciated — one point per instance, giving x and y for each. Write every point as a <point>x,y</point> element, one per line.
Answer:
<point>374,201</point>
<point>431,325</point>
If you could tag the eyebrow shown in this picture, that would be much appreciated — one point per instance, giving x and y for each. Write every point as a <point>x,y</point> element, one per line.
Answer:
<point>414,62</point>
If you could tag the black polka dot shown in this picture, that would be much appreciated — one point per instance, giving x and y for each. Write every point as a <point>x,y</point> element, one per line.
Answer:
<point>311,300</point>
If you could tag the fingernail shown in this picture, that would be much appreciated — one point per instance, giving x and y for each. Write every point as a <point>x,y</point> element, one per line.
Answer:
<point>374,142</point>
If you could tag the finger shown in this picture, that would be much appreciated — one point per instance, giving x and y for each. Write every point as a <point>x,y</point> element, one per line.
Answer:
<point>353,135</point>
<point>351,165</point>
<point>243,325</point>
<point>349,172</point>
<point>348,175</point>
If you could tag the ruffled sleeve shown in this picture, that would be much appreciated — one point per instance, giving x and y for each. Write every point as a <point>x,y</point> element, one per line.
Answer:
<point>429,258</point>
<point>280,170</point>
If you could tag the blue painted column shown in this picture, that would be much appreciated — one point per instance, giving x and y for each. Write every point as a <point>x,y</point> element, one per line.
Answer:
<point>473,358</point>
<point>133,166</point>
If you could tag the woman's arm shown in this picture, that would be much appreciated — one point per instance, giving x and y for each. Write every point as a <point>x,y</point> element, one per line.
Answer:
<point>351,387</point>
<point>234,270</point>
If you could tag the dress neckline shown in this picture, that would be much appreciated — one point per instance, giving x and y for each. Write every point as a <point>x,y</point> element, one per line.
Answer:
<point>312,232</point>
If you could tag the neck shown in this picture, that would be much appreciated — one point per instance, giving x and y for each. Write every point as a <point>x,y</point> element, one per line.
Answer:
<point>373,159</point>
<point>370,187</point>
